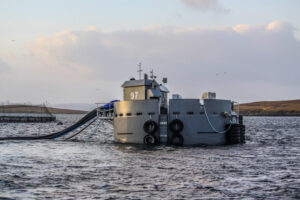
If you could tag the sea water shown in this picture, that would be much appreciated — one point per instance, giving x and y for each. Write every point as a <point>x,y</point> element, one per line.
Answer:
<point>92,166</point>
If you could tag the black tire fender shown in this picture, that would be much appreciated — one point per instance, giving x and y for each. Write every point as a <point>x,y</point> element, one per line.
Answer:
<point>150,127</point>
<point>176,126</point>
<point>150,140</point>
<point>177,140</point>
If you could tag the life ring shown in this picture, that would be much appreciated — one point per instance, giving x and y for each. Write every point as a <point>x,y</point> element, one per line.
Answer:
<point>177,140</point>
<point>150,127</point>
<point>176,126</point>
<point>150,140</point>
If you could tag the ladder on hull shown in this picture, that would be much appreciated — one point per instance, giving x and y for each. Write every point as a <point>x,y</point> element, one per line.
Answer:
<point>163,128</point>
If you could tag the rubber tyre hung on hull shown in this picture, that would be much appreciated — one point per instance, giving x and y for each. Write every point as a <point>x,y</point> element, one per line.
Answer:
<point>243,130</point>
<point>176,126</point>
<point>177,140</point>
<point>150,140</point>
<point>236,134</point>
<point>150,127</point>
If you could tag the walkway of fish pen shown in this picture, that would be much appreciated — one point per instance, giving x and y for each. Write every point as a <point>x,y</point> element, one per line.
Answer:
<point>25,114</point>
<point>25,118</point>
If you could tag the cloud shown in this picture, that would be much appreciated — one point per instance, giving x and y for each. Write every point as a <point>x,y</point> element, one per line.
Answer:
<point>206,5</point>
<point>242,62</point>
<point>242,28</point>
<point>279,26</point>
<point>4,67</point>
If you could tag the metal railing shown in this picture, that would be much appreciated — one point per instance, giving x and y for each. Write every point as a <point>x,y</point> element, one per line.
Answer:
<point>103,113</point>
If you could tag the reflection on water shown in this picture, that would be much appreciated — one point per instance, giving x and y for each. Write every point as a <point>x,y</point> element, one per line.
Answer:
<point>268,166</point>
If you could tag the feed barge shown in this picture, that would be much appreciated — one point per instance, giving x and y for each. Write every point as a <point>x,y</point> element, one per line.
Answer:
<point>147,116</point>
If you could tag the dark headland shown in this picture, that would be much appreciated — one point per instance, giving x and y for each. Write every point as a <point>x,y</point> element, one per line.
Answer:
<point>271,108</point>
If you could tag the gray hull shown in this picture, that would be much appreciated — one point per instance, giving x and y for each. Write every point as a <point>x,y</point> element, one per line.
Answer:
<point>130,117</point>
<point>199,128</point>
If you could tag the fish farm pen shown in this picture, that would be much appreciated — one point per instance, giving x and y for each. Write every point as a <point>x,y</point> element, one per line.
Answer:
<point>25,114</point>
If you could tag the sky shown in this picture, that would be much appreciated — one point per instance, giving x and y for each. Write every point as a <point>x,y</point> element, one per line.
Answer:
<point>81,51</point>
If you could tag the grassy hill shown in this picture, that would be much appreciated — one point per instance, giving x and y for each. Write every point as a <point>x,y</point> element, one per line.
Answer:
<point>36,109</point>
<point>271,108</point>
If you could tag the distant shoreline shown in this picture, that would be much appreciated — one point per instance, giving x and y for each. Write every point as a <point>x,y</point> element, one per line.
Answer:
<point>290,108</point>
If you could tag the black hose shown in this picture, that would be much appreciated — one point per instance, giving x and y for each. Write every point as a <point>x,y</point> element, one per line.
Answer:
<point>82,121</point>
<point>81,129</point>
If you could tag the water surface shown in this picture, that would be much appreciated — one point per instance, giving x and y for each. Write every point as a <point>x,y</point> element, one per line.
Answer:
<point>267,166</point>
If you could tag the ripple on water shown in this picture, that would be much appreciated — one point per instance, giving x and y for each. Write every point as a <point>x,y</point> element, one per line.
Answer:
<point>267,166</point>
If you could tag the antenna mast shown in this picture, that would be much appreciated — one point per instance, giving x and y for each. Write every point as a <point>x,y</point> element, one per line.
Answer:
<point>140,70</point>
<point>152,75</point>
